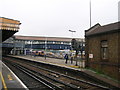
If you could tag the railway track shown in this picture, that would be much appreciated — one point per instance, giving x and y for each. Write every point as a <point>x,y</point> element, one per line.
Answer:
<point>52,79</point>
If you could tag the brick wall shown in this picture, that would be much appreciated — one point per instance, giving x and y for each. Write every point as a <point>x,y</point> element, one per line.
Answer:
<point>93,46</point>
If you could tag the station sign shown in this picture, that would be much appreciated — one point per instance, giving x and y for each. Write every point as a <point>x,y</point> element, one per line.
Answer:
<point>90,55</point>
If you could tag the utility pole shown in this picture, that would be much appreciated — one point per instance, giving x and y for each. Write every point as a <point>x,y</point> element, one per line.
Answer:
<point>31,47</point>
<point>90,12</point>
<point>45,47</point>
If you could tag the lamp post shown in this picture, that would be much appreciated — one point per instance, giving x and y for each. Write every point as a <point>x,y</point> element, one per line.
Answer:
<point>72,36</point>
<point>72,32</point>
<point>72,48</point>
<point>45,47</point>
<point>31,47</point>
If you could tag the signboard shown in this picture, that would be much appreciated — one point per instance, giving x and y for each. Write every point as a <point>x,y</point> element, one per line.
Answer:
<point>90,55</point>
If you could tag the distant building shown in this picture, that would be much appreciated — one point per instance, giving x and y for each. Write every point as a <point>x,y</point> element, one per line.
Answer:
<point>21,44</point>
<point>103,49</point>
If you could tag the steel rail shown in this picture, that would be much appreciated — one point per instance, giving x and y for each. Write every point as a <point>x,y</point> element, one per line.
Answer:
<point>38,78</point>
<point>70,85</point>
<point>79,80</point>
<point>66,84</point>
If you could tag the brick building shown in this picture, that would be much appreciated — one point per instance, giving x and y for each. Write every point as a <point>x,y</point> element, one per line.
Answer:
<point>103,49</point>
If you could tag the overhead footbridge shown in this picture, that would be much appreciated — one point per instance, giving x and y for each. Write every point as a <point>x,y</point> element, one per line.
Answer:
<point>8,27</point>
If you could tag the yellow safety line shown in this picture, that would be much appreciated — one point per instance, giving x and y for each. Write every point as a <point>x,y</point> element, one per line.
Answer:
<point>74,66</point>
<point>3,81</point>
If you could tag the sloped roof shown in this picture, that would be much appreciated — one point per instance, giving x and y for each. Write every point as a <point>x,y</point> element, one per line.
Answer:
<point>44,38</point>
<point>97,29</point>
<point>9,24</point>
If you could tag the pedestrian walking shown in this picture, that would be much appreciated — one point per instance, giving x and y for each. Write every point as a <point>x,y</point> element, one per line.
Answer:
<point>66,57</point>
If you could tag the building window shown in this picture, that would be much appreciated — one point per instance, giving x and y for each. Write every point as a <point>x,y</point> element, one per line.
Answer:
<point>104,49</point>
<point>53,42</point>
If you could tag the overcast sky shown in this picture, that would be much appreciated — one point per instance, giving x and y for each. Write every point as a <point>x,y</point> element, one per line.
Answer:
<point>55,17</point>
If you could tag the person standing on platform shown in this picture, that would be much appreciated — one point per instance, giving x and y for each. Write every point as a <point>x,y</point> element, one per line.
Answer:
<point>66,57</point>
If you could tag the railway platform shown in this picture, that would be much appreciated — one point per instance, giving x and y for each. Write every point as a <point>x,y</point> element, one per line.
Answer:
<point>8,80</point>
<point>61,63</point>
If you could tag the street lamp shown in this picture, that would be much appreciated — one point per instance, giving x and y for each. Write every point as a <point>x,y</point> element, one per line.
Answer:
<point>71,46</point>
<point>72,32</point>
<point>72,36</point>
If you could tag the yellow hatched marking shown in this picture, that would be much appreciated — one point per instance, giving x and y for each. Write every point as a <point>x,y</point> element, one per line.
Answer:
<point>9,77</point>
<point>3,81</point>
<point>74,66</point>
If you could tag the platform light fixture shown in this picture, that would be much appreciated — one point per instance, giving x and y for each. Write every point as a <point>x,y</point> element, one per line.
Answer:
<point>72,32</point>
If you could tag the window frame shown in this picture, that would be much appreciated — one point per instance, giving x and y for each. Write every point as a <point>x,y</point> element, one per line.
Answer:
<point>104,50</point>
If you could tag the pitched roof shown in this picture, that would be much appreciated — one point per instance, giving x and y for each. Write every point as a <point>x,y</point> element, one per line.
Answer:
<point>97,29</point>
<point>44,38</point>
